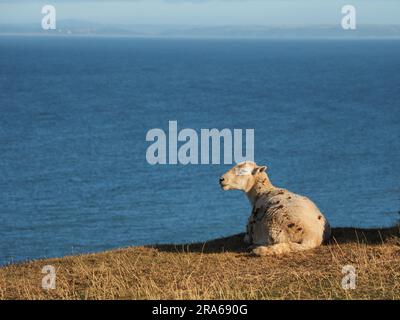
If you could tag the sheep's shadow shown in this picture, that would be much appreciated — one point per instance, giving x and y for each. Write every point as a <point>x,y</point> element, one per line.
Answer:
<point>235,243</point>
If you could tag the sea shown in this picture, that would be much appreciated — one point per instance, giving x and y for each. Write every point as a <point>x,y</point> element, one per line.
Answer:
<point>75,112</point>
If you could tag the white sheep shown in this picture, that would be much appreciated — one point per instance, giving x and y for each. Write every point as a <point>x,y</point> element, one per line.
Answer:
<point>281,221</point>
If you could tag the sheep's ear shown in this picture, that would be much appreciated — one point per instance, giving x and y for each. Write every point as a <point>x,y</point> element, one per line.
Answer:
<point>259,169</point>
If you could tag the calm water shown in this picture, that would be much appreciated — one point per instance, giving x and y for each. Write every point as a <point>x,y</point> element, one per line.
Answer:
<point>75,113</point>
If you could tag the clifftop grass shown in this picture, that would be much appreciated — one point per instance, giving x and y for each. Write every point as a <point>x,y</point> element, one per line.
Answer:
<point>219,269</point>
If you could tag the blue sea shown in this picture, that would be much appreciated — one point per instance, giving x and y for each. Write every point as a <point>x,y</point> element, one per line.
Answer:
<point>74,113</point>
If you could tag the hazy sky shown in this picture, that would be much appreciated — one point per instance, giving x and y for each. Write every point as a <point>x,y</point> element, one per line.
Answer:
<point>204,12</point>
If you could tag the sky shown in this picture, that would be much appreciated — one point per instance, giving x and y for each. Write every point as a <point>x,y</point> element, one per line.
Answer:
<point>204,12</point>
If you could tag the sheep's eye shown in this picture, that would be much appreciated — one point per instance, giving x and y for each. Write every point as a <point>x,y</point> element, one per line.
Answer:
<point>243,172</point>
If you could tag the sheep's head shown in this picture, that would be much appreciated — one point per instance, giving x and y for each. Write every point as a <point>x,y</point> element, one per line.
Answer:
<point>241,177</point>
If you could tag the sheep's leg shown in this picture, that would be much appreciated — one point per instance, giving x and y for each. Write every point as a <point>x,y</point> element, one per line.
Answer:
<point>282,248</point>
<point>252,247</point>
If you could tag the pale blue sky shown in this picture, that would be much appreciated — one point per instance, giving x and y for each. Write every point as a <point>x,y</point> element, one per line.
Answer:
<point>204,12</point>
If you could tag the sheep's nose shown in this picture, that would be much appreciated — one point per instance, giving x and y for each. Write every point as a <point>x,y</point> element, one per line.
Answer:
<point>221,179</point>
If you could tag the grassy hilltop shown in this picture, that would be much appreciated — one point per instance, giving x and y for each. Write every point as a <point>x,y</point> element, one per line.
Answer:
<point>219,269</point>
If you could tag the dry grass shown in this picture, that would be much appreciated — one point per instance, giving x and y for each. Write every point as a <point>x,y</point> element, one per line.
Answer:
<point>219,269</point>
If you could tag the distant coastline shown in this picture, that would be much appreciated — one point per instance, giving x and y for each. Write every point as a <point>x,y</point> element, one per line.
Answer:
<point>116,36</point>
<point>85,28</point>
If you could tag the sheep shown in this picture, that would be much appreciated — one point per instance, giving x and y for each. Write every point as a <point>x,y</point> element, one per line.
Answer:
<point>281,221</point>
